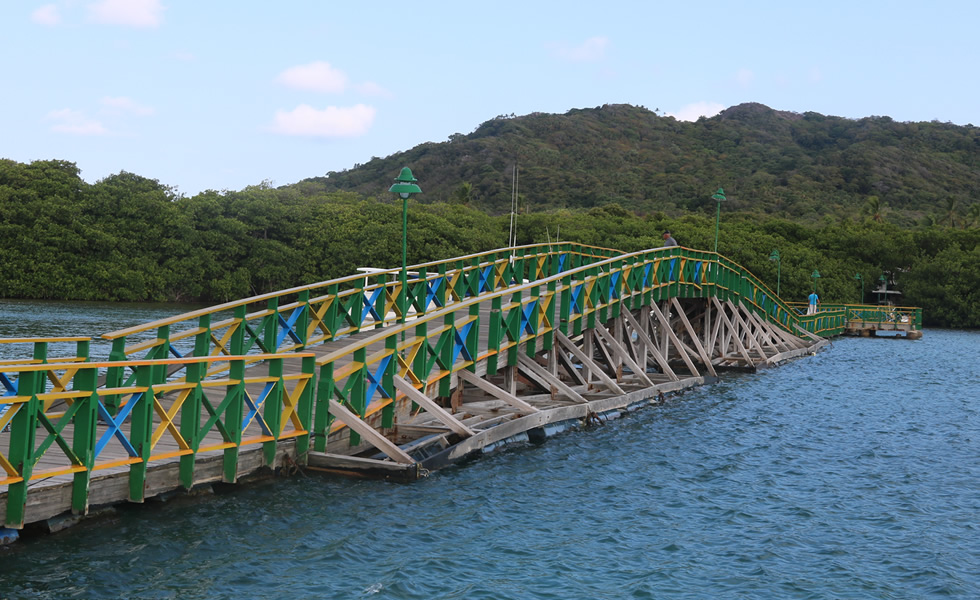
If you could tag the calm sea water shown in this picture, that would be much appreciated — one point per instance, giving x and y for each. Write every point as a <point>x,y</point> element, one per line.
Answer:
<point>854,473</point>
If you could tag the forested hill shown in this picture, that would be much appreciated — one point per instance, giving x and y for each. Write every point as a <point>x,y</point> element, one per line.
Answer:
<point>800,166</point>
<point>860,201</point>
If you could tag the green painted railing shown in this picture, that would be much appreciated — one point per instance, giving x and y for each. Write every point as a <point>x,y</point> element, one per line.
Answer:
<point>890,317</point>
<point>52,399</point>
<point>859,316</point>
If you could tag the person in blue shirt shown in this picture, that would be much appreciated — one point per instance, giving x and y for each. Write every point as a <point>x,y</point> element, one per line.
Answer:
<point>814,301</point>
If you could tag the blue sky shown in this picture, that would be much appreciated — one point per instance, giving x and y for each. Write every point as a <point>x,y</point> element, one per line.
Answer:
<point>213,94</point>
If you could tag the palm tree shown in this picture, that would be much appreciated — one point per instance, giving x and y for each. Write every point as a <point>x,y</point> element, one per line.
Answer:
<point>874,209</point>
<point>462,194</point>
<point>951,211</point>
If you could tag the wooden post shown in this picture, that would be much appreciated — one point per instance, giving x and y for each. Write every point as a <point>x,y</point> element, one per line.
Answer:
<point>235,412</point>
<point>84,437</point>
<point>358,391</point>
<point>387,381</point>
<point>21,453</point>
<point>190,422</point>
<point>141,429</point>
<point>493,336</point>
<point>272,411</point>
<point>322,417</point>
<point>271,329</point>
<point>304,409</point>
<point>301,328</point>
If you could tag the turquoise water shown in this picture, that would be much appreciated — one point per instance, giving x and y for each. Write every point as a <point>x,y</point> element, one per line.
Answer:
<point>38,318</point>
<point>851,474</point>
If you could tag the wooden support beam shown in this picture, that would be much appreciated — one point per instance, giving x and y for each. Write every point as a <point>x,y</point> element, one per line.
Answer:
<point>542,376</point>
<point>636,344</point>
<point>808,334</point>
<point>738,342</point>
<point>323,461</point>
<point>765,334</point>
<point>345,416</point>
<point>713,338</point>
<point>694,337</point>
<point>441,414</point>
<point>644,338</point>
<point>748,334</point>
<point>622,355</point>
<point>610,360</point>
<point>781,337</point>
<point>669,332</point>
<point>498,393</point>
<point>510,380</point>
<point>617,334</point>
<point>571,370</point>
<point>587,343</point>
<point>587,360</point>
<point>788,337</point>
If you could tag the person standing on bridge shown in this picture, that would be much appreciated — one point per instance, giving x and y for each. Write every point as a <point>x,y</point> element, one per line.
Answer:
<point>814,301</point>
<point>669,240</point>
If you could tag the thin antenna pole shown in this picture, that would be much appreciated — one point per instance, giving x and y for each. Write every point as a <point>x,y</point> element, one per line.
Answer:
<point>513,208</point>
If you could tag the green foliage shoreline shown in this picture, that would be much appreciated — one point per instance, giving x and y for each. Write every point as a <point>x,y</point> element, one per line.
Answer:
<point>129,238</point>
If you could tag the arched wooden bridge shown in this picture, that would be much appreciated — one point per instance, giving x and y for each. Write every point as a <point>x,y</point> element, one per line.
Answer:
<point>358,376</point>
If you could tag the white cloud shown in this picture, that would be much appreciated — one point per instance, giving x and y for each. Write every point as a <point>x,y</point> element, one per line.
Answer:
<point>331,122</point>
<point>47,15</point>
<point>129,13</point>
<point>74,122</point>
<point>744,77</point>
<point>317,76</point>
<point>590,50</point>
<point>125,105</point>
<point>692,112</point>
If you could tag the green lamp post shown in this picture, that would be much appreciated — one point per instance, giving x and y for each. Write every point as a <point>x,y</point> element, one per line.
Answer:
<point>816,276</point>
<point>404,186</point>
<point>861,279</point>
<point>718,197</point>
<point>774,255</point>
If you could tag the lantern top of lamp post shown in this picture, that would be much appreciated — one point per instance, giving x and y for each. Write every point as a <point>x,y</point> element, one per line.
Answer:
<point>405,184</point>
